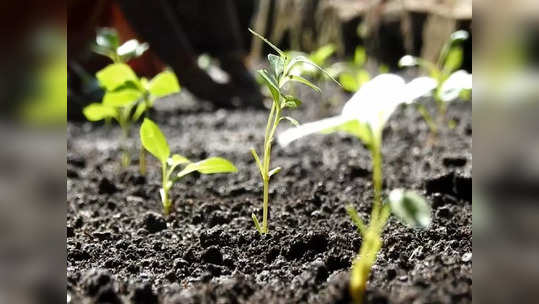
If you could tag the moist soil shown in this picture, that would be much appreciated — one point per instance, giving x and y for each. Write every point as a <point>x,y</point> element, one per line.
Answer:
<point>121,249</point>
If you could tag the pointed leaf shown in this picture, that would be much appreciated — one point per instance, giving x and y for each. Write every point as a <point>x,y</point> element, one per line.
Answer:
<point>291,120</point>
<point>322,54</point>
<point>209,166</point>
<point>97,111</point>
<point>277,65</point>
<point>453,60</point>
<point>141,108</point>
<point>271,83</point>
<point>305,82</point>
<point>115,75</point>
<point>354,216</point>
<point>165,83</point>
<point>411,208</point>
<point>121,97</point>
<point>281,53</point>
<point>274,171</point>
<point>258,163</point>
<point>154,141</point>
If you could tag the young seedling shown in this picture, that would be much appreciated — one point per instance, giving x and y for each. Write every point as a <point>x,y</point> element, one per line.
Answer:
<point>319,57</point>
<point>281,72</point>
<point>364,116</point>
<point>155,142</point>
<point>451,82</point>
<point>127,97</point>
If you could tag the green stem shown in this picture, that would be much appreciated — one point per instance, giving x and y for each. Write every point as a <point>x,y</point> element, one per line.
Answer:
<point>164,199</point>
<point>428,118</point>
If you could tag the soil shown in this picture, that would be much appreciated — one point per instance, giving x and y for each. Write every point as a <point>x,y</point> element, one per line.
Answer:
<point>122,250</point>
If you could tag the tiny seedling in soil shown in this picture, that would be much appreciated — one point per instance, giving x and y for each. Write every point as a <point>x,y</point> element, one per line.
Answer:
<point>127,97</point>
<point>155,142</point>
<point>281,72</point>
<point>451,82</point>
<point>364,116</point>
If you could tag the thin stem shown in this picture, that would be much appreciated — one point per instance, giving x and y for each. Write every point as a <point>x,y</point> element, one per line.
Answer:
<point>164,198</point>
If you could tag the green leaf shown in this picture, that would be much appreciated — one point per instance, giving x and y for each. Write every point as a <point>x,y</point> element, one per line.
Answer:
<point>291,102</point>
<point>97,111</point>
<point>411,208</point>
<point>164,83</point>
<point>305,82</point>
<point>302,59</point>
<point>258,163</point>
<point>131,49</point>
<point>177,160</point>
<point>349,82</point>
<point>453,60</point>
<point>277,65</point>
<point>291,120</point>
<point>355,128</point>
<point>107,38</point>
<point>274,171</point>
<point>154,141</point>
<point>281,53</point>
<point>209,166</point>
<point>116,75</point>
<point>360,56</point>
<point>121,97</point>
<point>363,77</point>
<point>271,83</point>
<point>322,54</point>
<point>354,216</point>
<point>141,108</point>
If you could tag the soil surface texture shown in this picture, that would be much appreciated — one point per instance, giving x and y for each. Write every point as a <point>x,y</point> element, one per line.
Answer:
<point>121,249</point>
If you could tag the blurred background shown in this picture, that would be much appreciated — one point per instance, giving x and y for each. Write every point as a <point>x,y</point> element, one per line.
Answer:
<point>47,67</point>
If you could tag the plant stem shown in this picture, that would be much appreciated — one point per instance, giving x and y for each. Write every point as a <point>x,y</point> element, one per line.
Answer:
<point>164,198</point>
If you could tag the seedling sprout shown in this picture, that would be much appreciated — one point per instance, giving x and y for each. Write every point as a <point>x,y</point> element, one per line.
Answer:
<point>364,116</point>
<point>154,141</point>
<point>281,72</point>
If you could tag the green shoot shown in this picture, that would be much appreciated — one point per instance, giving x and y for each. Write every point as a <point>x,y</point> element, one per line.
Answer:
<point>156,144</point>
<point>451,82</point>
<point>364,116</point>
<point>127,97</point>
<point>281,72</point>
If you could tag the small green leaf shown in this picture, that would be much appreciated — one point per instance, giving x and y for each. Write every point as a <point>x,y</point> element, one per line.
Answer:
<point>349,82</point>
<point>354,216</point>
<point>453,60</point>
<point>257,225</point>
<point>121,97</point>
<point>115,75</point>
<point>141,108</point>
<point>291,120</point>
<point>258,163</point>
<point>107,39</point>
<point>301,60</point>
<point>291,102</point>
<point>177,159</point>
<point>360,56</point>
<point>363,77</point>
<point>277,65</point>
<point>411,208</point>
<point>154,141</point>
<point>165,83</point>
<point>274,171</point>
<point>322,54</point>
<point>97,111</point>
<point>281,53</point>
<point>305,82</point>
<point>271,83</point>
<point>209,166</point>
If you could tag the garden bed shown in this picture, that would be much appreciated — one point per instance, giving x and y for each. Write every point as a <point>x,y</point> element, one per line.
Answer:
<point>121,249</point>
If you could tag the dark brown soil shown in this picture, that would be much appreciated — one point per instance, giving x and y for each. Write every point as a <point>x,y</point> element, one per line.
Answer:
<point>122,250</point>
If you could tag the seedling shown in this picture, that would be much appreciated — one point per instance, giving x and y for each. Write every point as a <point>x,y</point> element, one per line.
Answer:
<point>451,82</point>
<point>352,75</point>
<point>127,97</point>
<point>281,72</point>
<point>364,116</point>
<point>319,57</point>
<point>155,142</point>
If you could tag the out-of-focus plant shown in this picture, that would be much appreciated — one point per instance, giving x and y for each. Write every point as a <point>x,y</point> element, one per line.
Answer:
<point>127,97</point>
<point>352,74</point>
<point>364,116</point>
<point>155,142</point>
<point>451,82</point>
<point>281,72</point>
<point>319,57</point>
